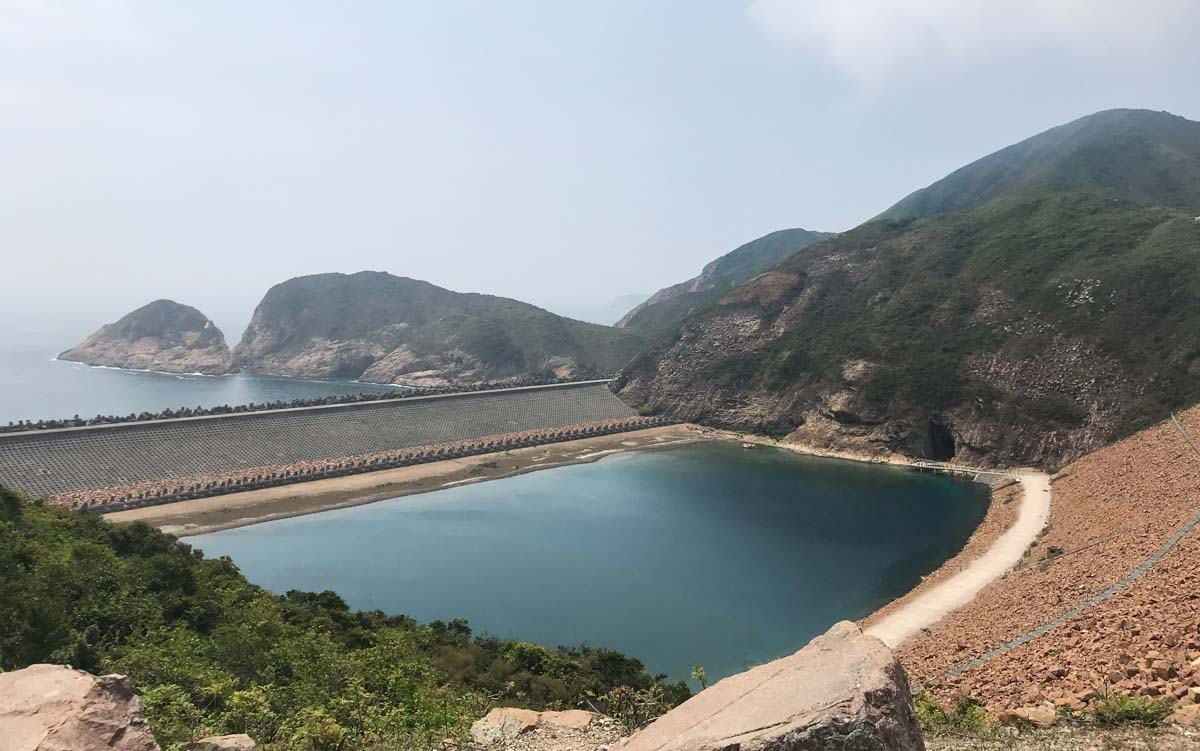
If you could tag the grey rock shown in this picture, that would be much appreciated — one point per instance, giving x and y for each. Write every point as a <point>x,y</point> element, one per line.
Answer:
<point>844,691</point>
<point>237,742</point>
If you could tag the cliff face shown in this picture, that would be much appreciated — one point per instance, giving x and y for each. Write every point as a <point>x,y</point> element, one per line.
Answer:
<point>387,329</point>
<point>1028,329</point>
<point>670,305</point>
<point>163,336</point>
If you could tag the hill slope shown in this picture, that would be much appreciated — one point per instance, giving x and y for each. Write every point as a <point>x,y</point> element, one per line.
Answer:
<point>1029,329</point>
<point>163,336</point>
<point>1138,155</point>
<point>385,329</point>
<point>667,307</point>
<point>211,653</point>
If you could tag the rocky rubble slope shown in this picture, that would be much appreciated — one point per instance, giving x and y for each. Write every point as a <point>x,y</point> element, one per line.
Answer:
<point>163,336</point>
<point>1111,510</point>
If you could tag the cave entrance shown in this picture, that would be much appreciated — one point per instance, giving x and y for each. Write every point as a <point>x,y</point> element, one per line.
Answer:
<point>939,440</point>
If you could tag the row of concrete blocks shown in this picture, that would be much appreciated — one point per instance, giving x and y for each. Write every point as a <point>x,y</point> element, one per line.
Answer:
<point>352,467</point>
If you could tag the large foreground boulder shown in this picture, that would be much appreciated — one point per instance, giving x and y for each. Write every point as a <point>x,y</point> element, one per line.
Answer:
<point>844,691</point>
<point>55,708</point>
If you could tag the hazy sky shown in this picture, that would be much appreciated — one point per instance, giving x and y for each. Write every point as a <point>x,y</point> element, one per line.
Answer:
<point>563,152</point>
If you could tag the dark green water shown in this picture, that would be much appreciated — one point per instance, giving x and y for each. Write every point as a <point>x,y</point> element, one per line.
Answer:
<point>706,553</point>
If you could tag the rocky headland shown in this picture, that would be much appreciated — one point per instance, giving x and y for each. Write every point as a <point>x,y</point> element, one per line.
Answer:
<point>1029,308</point>
<point>164,336</point>
<point>381,328</point>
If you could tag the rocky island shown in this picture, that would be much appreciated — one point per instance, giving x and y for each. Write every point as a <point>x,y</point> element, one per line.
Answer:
<point>381,328</point>
<point>164,336</point>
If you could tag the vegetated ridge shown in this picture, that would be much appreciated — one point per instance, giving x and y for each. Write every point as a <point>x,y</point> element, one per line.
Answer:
<point>211,653</point>
<point>388,329</point>
<point>164,336</point>
<point>1028,308</point>
<point>670,305</point>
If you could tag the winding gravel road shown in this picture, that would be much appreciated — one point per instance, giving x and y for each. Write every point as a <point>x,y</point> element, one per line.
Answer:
<point>930,607</point>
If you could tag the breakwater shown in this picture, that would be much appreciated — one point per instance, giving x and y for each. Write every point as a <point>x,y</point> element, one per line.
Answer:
<point>62,462</point>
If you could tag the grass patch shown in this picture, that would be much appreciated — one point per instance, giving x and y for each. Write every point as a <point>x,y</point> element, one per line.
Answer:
<point>967,715</point>
<point>1125,709</point>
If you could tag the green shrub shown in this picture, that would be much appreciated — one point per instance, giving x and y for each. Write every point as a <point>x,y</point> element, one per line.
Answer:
<point>1125,709</point>
<point>966,717</point>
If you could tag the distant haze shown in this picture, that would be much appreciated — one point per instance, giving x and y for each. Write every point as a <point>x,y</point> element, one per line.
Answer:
<point>566,154</point>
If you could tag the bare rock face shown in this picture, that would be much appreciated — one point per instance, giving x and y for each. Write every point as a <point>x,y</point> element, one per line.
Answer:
<point>843,691</point>
<point>56,708</point>
<point>163,336</point>
<point>236,742</point>
<point>671,304</point>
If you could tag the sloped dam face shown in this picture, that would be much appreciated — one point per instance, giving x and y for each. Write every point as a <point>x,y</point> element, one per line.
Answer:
<point>703,554</point>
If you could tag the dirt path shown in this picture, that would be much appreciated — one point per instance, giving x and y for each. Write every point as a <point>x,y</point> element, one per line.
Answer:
<point>958,590</point>
<point>204,515</point>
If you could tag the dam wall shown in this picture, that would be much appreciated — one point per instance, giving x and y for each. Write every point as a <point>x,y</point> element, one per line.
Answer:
<point>47,463</point>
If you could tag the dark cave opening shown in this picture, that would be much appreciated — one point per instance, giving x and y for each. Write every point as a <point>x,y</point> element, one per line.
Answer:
<point>939,440</point>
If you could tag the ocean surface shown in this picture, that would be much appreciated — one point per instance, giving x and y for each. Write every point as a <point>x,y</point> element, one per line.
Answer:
<point>704,554</point>
<point>34,386</point>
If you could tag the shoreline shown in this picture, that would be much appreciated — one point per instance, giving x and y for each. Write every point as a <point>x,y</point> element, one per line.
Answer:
<point>206,515</point>
<point>996,547</point>
<point>950,586</point>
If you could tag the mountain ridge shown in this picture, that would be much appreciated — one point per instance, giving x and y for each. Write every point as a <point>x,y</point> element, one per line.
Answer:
<point>1161,165</point>
<point>671,304</point>
<point>1028,329</point>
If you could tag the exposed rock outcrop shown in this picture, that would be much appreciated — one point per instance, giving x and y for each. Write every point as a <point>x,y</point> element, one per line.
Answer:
<point>844,690</point>
<point>502,725</point>
<point>1027,321</point>
<point>163,336</point>
<point>387,329</point>
<point>670,305</point>
<point>55,708</point>
<point>236,742</point>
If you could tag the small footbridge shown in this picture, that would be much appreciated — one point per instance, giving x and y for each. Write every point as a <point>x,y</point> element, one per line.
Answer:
<point>976,474</point>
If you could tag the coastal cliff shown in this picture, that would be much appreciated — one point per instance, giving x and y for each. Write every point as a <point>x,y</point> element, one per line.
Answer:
<point>670,305</point>
<point>1054,311</point>
<point>388,329</point>
<point>164,336</point>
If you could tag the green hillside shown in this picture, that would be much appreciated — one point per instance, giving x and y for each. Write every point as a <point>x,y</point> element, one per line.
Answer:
<point>1151,158</point>
<point>384,328</point>
<point>667,307</point>
<point>1031,328</point>
<point>211,653</point>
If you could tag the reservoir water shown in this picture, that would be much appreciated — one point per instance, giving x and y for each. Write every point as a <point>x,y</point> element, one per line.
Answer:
<point>703,554</point>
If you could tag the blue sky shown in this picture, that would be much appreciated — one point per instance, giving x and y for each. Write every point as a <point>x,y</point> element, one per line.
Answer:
<point>563,153</point>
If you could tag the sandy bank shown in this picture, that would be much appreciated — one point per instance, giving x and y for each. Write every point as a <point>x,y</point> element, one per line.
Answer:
<point>204,515</point>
